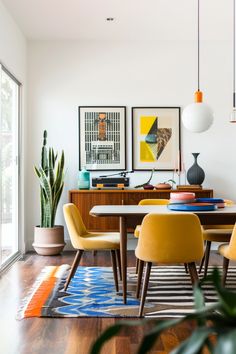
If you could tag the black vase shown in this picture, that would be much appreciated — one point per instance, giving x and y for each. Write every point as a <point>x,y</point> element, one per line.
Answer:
<point>195,174</point>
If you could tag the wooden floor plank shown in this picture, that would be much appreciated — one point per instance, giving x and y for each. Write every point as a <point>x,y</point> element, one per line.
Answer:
<point>67,335</point>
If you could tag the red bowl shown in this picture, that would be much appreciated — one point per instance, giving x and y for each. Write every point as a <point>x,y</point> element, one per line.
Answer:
<point>148,186</point>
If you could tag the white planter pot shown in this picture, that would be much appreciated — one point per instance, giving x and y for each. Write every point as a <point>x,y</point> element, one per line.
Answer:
<point>49,241</point>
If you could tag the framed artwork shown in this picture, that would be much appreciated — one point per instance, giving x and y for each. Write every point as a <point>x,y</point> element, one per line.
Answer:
<point>102,138</point>
<point>156,138</point>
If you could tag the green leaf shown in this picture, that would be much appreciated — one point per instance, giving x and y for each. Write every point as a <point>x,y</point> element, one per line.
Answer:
<point>44,159</point>
<point>199,302</point>
<point>37,172</point>
<point>55,203</point>
<point>227,298</point>
<point>46,186</point>
<point>51,172</point>
<point>226,343</point>
<point>198,298</point>
<point>53,159</point>
<point>195,342</point>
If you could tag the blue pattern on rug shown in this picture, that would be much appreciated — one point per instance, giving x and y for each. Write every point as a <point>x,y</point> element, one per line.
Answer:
<point>92,293</point>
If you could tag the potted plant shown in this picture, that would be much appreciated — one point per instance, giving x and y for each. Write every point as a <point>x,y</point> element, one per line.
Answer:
<point>215,330</point>
<point>48,237</point>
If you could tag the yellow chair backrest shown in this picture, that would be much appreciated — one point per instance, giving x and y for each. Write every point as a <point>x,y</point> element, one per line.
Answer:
<point>207,227</point>
<point>154,202</point>
<point>74,223</point>
<point>231,251</point>
<point>170,238</point>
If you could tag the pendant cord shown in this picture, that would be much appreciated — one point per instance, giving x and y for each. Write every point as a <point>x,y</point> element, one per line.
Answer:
<point>198,46</point>
<point>234,94</point>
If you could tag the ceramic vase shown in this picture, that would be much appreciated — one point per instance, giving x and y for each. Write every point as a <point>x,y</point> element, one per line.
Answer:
<point>84,179</point>
<point>195,174</point>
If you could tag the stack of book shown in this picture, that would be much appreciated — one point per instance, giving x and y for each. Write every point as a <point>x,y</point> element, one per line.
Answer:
<point>185,187</point>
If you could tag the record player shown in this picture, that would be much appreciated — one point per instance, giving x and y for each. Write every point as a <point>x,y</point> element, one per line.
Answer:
<point>112,182</point>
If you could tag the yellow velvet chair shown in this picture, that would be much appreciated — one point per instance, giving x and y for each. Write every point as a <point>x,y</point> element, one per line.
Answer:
<point>213,233</point>
<point>168,238</point>
<point>228,251</point>
<point>82,240</point>
<point>149,202</point>
<point>137,229</point>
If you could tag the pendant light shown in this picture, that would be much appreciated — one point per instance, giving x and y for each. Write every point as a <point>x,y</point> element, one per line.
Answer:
<point>198,116</point>
<point>233,113</point>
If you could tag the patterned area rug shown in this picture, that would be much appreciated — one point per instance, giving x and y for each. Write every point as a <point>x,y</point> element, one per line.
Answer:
<point>91,293</point>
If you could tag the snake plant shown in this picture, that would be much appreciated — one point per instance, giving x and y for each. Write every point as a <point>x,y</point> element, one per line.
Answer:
<point>51,177</point>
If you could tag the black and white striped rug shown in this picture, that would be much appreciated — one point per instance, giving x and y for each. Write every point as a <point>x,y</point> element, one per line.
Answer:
<point>170,292</point>
<point>91,293</point>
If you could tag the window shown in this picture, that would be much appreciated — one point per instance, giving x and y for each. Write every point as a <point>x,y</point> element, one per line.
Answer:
<point>9,177</point>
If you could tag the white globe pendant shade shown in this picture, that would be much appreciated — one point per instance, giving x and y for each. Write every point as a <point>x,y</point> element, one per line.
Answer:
<point>197,117</point>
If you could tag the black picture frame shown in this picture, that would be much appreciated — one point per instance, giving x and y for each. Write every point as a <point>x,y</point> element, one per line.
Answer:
<point>171,162</point>
<point>100,147</point>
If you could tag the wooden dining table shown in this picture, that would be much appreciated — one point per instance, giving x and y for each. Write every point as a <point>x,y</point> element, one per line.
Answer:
<point>132,215</point>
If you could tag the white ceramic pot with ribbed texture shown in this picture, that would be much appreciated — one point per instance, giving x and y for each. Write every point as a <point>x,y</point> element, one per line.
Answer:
<point>49,241</point>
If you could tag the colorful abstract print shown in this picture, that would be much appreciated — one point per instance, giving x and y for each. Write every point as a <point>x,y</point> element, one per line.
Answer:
<point>153,139</point>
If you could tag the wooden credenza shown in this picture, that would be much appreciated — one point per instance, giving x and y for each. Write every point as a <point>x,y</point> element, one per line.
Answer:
<point>86,199</point>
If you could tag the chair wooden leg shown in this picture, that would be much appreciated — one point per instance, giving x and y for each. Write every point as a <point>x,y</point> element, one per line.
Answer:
<point>140,275</point>
<point>225,270</point>
<point>207,255</point>
<point>201,264</point>
<point>119,263</point>
<point>186,267</point>
<point>74,266</point>
<point>193,273</point>
<point>114,267</point>
<point>136,266</point>
<point>145,287</point>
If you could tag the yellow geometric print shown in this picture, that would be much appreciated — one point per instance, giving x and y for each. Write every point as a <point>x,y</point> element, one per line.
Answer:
<point>146,122</point>
<point>146,154</point>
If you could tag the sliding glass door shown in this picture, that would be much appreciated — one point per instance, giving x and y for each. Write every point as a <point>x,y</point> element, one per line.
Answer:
<point>9,178</point>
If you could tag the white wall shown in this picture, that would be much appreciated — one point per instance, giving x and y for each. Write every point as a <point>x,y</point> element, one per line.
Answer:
<point>65,75</point>
<point>13,55</point>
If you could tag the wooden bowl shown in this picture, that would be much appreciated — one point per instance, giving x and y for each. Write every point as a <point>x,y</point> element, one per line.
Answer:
<point>163,186</point>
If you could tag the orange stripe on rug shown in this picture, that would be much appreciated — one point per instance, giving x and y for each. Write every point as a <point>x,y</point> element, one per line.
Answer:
<point>41,295</point>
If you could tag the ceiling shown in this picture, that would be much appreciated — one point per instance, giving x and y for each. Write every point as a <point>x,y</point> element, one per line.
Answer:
<point>134,19</point>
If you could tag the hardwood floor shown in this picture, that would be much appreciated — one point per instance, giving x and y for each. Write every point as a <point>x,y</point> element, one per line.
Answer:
<point>72,335</point>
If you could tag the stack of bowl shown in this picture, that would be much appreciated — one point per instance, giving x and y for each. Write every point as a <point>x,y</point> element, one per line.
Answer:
<point>182,198</point>
<point>185,201</point>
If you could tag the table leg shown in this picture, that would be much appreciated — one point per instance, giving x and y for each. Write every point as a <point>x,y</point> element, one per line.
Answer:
<point>123,253</point>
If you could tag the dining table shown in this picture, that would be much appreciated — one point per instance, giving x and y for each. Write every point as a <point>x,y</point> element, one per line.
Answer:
<point>132,215</point>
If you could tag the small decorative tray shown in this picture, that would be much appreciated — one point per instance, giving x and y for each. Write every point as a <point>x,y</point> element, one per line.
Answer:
<point>192,207</point>
<point>210,200</point>
<point>217,201</point>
